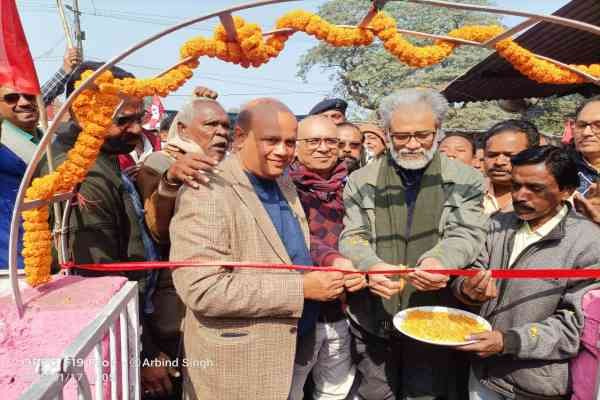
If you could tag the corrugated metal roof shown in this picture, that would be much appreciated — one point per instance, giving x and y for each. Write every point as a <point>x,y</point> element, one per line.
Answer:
<point>494,78</point>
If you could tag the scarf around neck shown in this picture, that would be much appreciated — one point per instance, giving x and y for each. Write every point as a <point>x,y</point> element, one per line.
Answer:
<point>311,185</point>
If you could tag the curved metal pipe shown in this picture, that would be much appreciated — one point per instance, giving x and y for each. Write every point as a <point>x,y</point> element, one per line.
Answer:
<point>64,224</point>
<point>50,133</point>
<point>571,23</point>
<point>14,227</point>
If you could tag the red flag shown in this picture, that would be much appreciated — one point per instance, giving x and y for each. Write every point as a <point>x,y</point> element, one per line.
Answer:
<point>154,114</point>
<point>567,136</point>
<point>16,65</point>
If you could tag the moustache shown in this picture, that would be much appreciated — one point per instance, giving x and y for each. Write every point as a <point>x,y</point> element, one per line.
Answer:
<point>25,109</point>
<point>412,153</point>
<point>130,137</point>
<point>222,145</point>
<point>520,206</point>
<point>120,145</point>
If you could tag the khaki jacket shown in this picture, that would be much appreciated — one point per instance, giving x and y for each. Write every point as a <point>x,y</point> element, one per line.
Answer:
<point>240,324</point>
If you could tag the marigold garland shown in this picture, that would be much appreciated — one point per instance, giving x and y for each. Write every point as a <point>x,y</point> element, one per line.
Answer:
<point>539,70</point>
<point>94,107</point>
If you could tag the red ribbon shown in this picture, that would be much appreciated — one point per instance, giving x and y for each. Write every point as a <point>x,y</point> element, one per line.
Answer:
<point>534,273</point>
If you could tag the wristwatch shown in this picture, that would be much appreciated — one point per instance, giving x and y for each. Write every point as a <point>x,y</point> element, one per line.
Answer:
<point>169,184</point>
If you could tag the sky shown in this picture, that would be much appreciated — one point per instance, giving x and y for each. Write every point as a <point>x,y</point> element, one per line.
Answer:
<point>112,26</point>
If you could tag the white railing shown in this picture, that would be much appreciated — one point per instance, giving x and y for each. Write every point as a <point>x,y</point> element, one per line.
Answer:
<point>116,331</point>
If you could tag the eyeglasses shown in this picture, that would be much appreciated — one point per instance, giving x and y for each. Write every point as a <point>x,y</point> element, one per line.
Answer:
<point>13,98</point>
<point>423,137</point>
<point>353,145</point>
<point>314,143</point>
<point>124,120</point>
<point>580,126</point>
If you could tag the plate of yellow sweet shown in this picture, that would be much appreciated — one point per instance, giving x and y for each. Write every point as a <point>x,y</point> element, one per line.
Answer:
<point>443,326</point>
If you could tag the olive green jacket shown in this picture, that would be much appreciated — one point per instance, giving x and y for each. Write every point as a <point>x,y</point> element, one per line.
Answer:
<point>462,225</point>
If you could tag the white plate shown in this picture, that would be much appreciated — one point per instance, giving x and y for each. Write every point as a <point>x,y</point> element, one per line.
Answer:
<point>401,316</point>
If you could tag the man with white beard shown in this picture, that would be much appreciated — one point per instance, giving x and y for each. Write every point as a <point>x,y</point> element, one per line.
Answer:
<point>414,208</point>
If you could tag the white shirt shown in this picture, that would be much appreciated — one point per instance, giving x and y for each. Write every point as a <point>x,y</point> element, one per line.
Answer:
<point>148,149</point>
<point>526,237</point>
<point>18,141</point>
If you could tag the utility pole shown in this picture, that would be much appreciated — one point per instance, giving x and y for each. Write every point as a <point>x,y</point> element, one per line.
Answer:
<point>79,34</point>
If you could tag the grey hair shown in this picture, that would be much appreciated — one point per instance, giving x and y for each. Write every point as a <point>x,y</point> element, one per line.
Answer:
<point>188,111</point>
<point>405,97</point>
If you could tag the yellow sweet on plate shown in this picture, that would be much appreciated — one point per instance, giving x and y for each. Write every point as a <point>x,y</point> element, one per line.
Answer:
<point>441,326</point>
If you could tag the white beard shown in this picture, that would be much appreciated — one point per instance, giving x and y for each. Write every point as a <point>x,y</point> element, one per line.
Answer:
<point>410,163</point>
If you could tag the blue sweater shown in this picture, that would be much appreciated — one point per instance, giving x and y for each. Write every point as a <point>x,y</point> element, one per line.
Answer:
<point>12,170</point>
<point>291,235</point>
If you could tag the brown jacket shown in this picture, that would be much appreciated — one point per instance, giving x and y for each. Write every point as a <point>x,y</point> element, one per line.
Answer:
<point>240,324</point>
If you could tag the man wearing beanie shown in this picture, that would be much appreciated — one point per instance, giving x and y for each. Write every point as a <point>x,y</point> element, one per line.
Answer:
<point>375,140</point>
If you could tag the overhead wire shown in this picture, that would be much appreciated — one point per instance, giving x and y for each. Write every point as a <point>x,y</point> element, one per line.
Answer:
<point>46,53</point>
<point>219,78</point>
<point>224,76</point>
<point>129,16</point>
<point>157,19</point>
<point>279,90</point>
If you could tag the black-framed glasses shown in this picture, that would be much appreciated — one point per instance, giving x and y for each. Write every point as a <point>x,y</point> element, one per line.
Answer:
<point>353,145</point>
<point>314,143</point>
<point>580,126</point>
<point>13,98</point>
<point>124,120</point>
<point>422,137</point>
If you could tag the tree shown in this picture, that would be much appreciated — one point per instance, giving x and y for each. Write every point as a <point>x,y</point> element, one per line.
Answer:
<point>365,75</point>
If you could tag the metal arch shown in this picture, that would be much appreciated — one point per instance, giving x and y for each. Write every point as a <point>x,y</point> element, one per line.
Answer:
<point>46,140</point>
<point>495,10</point>
<point>225,15</point>
<point>533,19</point>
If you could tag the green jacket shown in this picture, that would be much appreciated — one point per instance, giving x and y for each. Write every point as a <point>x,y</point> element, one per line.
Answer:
<point>462,225</point>
<point>425,369</point>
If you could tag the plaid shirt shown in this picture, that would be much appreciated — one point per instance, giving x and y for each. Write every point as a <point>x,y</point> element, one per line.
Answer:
<point>55,86</point>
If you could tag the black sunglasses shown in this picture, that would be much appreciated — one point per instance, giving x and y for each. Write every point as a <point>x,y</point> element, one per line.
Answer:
<point>13,98</point>
<point>129,119</point>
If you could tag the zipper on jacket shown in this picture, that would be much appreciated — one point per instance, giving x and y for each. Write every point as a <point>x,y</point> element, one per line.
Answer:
<point>503,289</point>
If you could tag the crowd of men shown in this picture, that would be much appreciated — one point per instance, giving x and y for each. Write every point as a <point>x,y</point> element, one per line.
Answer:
<point>325,192</point>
